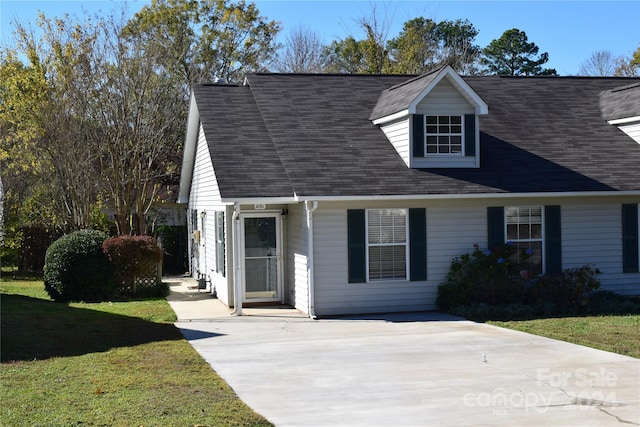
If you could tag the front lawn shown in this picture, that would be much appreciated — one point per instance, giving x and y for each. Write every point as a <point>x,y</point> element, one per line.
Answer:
<point>106,364</point>
<point>618,334</point>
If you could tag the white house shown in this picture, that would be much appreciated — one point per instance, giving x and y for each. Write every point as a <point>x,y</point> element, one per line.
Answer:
<point>341,194</point>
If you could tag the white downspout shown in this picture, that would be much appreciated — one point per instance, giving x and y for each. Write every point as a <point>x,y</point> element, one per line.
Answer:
<point>237,264</point>
<point>310,207</point>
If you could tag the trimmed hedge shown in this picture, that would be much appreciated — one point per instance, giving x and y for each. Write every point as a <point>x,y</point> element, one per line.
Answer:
<point>76,269</point>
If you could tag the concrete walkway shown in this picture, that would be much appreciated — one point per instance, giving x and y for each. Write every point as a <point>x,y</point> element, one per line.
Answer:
<point>419,369</point>
<point>191,304</point>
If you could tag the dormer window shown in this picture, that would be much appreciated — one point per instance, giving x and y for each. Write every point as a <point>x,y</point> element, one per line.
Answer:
<point>432,120</point>
<point>444,135</point>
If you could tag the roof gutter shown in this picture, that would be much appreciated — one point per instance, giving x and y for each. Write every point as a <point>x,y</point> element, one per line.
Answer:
<point>466,196</point>
<point>258,199</point>
<point>624,120</point>
<point>469,196</point>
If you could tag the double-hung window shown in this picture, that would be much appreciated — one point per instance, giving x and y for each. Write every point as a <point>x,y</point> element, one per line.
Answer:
<point>444,135</point>
<point>387,249</point>
<point>524,230</point>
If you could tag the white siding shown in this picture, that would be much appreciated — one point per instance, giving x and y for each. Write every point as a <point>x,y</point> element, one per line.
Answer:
<point>450,232</point>
<point>592,233</point>
<point>633,130</point>
<point>297,249</point>
<point>398,134</point>
<point>444,99</point>
<point>205,197</point>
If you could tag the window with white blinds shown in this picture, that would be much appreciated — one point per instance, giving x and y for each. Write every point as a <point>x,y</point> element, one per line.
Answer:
<point>387,244</point>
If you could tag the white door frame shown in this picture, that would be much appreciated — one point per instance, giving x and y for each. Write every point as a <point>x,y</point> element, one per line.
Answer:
<point>279,264</point>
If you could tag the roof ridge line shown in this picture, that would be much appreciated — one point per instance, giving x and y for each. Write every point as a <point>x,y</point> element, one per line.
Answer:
<point>416,78</point>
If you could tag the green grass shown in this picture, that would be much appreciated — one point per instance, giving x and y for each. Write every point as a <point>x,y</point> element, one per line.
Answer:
<point>618,334</point>
<point>107,364</point>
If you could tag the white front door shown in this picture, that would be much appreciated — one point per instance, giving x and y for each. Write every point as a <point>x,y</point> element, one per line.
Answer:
<point>262,261</point>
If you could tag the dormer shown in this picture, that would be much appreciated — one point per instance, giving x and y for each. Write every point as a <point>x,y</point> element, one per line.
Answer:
<point>621,107</point>
<point>432,120</point>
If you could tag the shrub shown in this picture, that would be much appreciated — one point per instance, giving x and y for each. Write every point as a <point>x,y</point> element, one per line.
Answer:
<point>495,277</point>
<point>481,312</point>
<point>135,261</point>
<point>485,276</point>
<point>76,269</point>
<point>571,288</point>
<point>607,302</point>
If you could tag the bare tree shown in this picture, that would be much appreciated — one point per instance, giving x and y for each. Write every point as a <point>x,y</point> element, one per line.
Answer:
<point>301,53</point>
<point>600,63</point>
<point>139,124</point>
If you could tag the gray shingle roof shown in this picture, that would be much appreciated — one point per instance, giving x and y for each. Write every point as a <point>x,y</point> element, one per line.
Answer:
<point>244,158</point>
<point>311,134</point>
<point>621,103</point>
<point>398,97</point>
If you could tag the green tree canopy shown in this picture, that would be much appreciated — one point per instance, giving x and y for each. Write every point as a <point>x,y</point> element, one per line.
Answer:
<point>96,112</point>
<point>629,67</point>
<point>365,56</point>
<point>44,132</point>
<point>424,44</point>
<point>413,51</point>
<point>345,56</point>
<point>513,55</point>
<point>205,39</point>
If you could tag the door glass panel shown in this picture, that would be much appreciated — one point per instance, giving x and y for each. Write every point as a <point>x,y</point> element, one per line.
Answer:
<point>261,262</point>
<point>261,278</point>
<point>259,237</point>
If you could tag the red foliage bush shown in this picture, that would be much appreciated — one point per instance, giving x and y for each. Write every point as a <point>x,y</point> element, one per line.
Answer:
<point>132,257</point>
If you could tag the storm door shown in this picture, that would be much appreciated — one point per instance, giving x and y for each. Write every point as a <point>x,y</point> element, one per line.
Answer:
<point>262,263</point>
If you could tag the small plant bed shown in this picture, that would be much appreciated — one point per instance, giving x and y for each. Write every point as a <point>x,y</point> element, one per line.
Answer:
<point>109,363</point>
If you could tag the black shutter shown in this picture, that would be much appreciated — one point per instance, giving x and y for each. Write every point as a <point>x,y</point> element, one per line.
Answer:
<point>357,248</point>
<point>417,244</point>
<point>630,238</point>
<point>418,135</point>
<point>469,135</point>
<point>495,226</point>
<point>553,240</point>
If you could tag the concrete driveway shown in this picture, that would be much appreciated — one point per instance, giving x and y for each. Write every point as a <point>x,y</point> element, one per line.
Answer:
<point>420,369</point>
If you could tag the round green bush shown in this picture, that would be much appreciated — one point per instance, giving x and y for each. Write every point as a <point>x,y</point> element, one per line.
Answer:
<point>76,269</point>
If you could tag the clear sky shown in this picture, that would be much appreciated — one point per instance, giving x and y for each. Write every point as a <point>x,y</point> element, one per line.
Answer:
<point>570,31</point>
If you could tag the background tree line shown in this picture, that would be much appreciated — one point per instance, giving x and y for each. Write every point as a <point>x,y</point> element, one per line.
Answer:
<point>93,108</point>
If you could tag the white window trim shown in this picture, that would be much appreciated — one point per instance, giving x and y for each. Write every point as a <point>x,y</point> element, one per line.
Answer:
<point>462,136</point>
<point>542,232</point>
<point>406,246</point>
